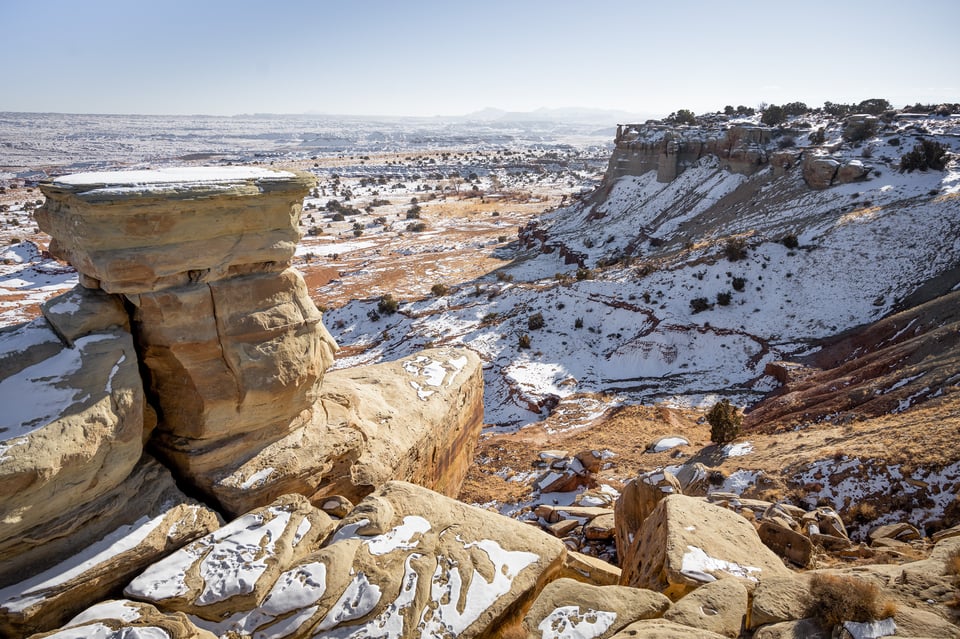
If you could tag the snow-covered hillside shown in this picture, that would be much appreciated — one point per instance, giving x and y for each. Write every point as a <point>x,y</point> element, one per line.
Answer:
<point>688,289</point>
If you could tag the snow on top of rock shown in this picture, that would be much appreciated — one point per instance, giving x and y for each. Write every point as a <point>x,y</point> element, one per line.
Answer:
<point>172,175</point>
<point>570,621</point>
<point>21,596</point>
<point>38,394</point>
<point>698,565</point>
<point>447,588</point>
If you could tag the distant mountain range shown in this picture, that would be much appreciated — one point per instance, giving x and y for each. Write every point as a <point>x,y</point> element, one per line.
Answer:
<point>562,114</point>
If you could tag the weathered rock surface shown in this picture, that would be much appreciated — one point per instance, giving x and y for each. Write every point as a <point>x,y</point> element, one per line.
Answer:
<point>719,606</point>
<point>568,608</point>
<point>141,231</point>
<point>802,628</point>
<point>235,566</point>
<point>786,542</point>
<point>125,619</point>
<point>780,599</point>
<point>637,500</point>
<point>663,629</point>
<point>590,570</point>
<point>687,542</point>
<point>407,562</point>
<point>416,419</point>
<point>62,566</point>
<point>233,356</point>
<point>72,427</point>
<point>819,171</point>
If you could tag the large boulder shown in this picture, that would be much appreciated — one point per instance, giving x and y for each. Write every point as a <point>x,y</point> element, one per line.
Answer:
<point>407,562</point>
<point>568,608</point>
<point>416,419</point>
<point>72,426</point>
<point>663,629</point>
<point>687,542</point>
<point>62,566</point>
<point>719,606</point>
<point>636,501</point>
<point>142,231</point>
<point>819,171</point>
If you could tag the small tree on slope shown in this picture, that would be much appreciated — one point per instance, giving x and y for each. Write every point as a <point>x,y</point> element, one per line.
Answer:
<point>725,421</point>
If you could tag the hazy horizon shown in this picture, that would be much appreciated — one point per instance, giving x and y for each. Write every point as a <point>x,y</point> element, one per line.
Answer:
<point>432,59</point>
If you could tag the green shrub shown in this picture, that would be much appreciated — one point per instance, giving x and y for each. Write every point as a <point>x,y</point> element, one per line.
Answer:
<point>584,274</point>
<point>723,299</point>
<point>739,284</point>
<point>578,323</point>
<point>535,322</point>
<point>416,227</point>
<point>725,421</point>
<point>387,305</point>
<point>773,115</point>
<point>926,154</point>
<point>790,241</point>
<point>817,137</point>
<point>439,289</point>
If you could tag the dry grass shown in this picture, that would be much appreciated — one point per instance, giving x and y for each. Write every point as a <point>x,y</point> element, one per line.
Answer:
<point>839,598</point>
<point>953,563</point>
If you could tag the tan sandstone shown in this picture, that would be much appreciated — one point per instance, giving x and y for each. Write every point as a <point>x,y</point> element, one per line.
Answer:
<point>592,612</point>
<point>687,542</point>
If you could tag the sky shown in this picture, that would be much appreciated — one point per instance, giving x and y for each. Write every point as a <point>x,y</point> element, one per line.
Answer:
<point>450,57</point>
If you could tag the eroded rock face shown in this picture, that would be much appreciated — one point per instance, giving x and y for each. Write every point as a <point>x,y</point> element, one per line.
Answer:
<point>636,501</point>
<point>568,608</point>
<point>60,567</point>
<point>416,419</point>
<point>72,426</point>
<point>232,356</point>
<point>125,619</point>
<point>142,231</point>
<point>687,542</point>
<point>406,562</point>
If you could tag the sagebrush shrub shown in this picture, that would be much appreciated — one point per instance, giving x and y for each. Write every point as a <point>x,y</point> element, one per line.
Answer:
<point>535,322</point>
<point>439,289</point>
<point>725,421</point>
<point>839,598</point>
<point>387,305</point>
<point>523,340</point>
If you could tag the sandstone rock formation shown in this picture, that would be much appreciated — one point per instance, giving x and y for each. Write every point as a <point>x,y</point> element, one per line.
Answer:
<point>570,608</point>
<point>671,150</point>
<point>687,542</point>
<point>124,619</point>
<point>72,426</point>
<point>406,562</point>
<point>637,500</point>
<point>57,568</point>
<point>186,282</point>
<point>143,231</point>
<point>719,606</point>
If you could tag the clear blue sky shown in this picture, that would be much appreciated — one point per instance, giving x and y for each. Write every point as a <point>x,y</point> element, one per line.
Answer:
<point>449,57</point>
